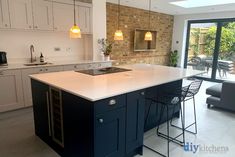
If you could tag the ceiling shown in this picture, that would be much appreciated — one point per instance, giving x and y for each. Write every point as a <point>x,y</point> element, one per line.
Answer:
<point>164,6</point>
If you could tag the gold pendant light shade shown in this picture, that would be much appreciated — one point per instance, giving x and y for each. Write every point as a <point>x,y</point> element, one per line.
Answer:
<point>75,32</point>
<point>148,36</point>
<point>118,35</point>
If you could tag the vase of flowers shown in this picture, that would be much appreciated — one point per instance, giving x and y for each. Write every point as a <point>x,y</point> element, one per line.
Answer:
<point>105,47</point>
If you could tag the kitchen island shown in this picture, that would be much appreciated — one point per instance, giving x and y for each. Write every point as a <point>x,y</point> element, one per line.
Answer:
<point>99,116</point>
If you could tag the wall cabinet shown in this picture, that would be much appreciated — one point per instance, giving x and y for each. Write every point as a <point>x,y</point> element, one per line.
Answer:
<point>21,14</point>
<point>84,19</point>
<point>4,14</point>
<point>11,96</point>
<point>63,16</point>
<point>42,15</point>
<point>27,83</point>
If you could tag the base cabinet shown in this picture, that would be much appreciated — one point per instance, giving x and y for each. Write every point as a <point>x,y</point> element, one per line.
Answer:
<point>11,96</point>
<point>135,121</point>
<point>111,127</point>
<point>27,83</point>
<point>41,109</point>
<point>110,134</point>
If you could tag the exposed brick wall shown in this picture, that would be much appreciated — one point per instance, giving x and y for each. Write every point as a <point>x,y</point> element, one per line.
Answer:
<point>130,19</point>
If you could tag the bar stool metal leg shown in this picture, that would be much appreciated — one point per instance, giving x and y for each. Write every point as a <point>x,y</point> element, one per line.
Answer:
<point>183,117</point>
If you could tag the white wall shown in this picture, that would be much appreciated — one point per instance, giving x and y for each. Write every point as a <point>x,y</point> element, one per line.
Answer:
<point>17,43</point>
<point>99,25</point>
<point>180,29</point>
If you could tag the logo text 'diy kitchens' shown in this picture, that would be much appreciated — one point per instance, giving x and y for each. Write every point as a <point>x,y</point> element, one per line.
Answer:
<point>194,148</point>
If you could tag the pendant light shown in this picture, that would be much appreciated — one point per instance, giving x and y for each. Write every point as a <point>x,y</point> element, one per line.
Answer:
<point>148,35</point>
<point>118,34</point>
<point>75,31</point>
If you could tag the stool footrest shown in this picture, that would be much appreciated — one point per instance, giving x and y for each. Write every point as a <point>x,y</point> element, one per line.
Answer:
<point>172,139</point>
<point>185,129</point>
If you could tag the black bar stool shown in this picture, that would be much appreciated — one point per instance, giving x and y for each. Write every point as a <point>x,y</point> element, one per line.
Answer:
<point>193,89</point>
<point>166,100</point>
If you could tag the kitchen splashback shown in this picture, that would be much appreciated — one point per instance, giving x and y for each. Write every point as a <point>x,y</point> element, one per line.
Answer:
<point>17,43</point>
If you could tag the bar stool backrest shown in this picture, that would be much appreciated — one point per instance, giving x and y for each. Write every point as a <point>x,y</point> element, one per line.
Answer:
<point>194,88</point>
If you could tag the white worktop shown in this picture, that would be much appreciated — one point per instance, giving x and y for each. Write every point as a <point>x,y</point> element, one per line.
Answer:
<point>95,88</point>
<point>22,66</point>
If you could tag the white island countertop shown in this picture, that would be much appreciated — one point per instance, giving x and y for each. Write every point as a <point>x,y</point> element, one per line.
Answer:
<point>99,87</point>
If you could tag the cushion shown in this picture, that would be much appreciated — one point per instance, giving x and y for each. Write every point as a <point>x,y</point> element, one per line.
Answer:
<point>215,90</point>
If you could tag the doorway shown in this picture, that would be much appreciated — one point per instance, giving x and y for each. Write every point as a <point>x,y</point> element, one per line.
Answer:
<point>210,47</point>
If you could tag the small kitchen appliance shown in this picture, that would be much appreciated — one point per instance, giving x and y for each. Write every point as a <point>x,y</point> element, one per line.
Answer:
<point>3,58</point>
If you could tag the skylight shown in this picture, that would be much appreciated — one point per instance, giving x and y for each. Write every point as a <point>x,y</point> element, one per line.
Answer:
<point>201,3</point>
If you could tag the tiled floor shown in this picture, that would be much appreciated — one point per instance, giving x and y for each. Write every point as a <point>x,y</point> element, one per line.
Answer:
<point>215,128</point>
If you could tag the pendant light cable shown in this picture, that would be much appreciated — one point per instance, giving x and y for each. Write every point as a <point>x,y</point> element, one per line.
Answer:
<point>149,13</point>
<point>74,12</point>
<point>118,35</point>
<point>118,12</point>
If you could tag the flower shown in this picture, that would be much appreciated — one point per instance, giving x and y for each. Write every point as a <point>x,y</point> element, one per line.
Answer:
<point>105,46</point>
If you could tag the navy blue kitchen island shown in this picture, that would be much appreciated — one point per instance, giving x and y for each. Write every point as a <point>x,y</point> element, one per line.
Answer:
<point>105,122</point>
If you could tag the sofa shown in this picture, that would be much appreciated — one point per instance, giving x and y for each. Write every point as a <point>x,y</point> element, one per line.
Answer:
<point>222,95</point>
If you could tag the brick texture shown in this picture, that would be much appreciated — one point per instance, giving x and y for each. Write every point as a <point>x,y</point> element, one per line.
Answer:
<point>130,19</point>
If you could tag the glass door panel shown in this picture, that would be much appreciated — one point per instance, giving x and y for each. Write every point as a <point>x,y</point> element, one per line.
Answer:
<point>225,66</point>
<point>201,44</point>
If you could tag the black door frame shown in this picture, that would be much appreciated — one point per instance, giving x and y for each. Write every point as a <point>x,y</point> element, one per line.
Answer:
<point>219,23</point>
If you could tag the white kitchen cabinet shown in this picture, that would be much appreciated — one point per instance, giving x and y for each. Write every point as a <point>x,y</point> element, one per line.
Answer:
<point>27,82</point>
<point>4,14</point>
<point>21,16</point>
<point>63,16</point>
<point>42,15</point>
<point>11,95</point>
<point>84,19</point>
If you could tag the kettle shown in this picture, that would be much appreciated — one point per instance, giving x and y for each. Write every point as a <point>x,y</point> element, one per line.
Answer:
<point>3,58</point>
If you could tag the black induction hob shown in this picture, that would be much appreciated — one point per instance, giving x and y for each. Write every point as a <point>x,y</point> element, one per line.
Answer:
<point>103,71</point>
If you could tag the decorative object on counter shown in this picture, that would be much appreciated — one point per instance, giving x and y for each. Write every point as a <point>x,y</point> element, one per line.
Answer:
<point>148,35</point>
<point>105,47</point>
<point>118,34</point>
<point>173,58</point>
<point>75,31</point>
<point>41,58</point>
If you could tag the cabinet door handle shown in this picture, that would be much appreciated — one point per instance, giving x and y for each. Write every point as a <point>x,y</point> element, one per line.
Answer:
<point>36,27</point>
<point>6,25</point>
<point>46,69</point>
<point>101,120</point>
<point>112,102</point>
<point>48,113</point>
<point>30,26</point>
<point>142,93</point>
